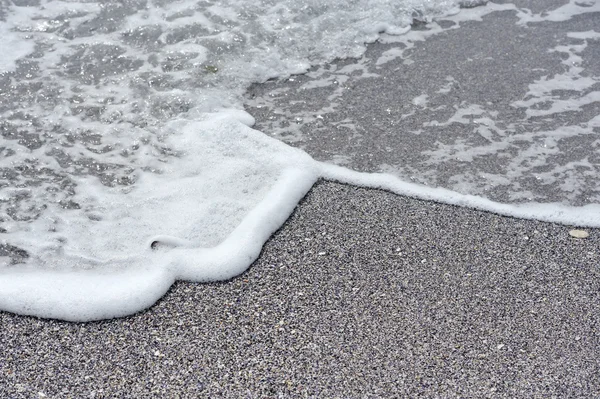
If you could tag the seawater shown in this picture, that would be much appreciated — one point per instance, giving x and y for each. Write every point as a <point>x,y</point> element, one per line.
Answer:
<point>128,161</point>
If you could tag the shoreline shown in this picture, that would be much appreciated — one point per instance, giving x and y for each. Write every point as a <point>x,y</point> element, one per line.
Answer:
<point>361,293</point>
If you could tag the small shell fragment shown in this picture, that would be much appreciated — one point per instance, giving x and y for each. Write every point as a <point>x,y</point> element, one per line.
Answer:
<point>579,233</point>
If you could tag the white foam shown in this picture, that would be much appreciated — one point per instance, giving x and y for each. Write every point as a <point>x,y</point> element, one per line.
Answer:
<point>588,215</point>
<point>209,190</point>
<point>562,13</point>
<point>110,287</point>
<point>208,214</point>
<point>541,91</point>
<point>12,48</point>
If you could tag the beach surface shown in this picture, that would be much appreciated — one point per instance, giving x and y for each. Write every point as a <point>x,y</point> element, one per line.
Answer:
<point>362,293</point>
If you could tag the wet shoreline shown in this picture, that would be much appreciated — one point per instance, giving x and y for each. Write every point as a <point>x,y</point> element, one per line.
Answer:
<point>361,293</point>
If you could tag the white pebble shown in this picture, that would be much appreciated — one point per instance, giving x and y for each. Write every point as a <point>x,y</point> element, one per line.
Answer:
<point>579,234</point>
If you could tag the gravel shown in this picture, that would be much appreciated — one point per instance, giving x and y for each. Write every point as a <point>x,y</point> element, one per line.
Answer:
<point>362,293</point>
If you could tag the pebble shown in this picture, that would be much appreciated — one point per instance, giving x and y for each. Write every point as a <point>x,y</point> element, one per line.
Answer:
<point>579,233</point>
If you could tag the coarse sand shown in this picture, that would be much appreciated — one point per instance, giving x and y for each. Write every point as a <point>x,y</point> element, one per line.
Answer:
<point>362,293</point>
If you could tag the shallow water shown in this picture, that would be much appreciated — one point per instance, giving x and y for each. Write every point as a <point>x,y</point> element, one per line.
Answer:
<point>509,112</point>
<point>127,161</point>
<point>88,88</point>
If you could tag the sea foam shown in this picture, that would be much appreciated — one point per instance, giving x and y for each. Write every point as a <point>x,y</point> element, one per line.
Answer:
<point>147,170</point>
<point>189,223</point>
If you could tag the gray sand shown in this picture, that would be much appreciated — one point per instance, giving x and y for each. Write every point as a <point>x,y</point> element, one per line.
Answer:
<point>362,293</point>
